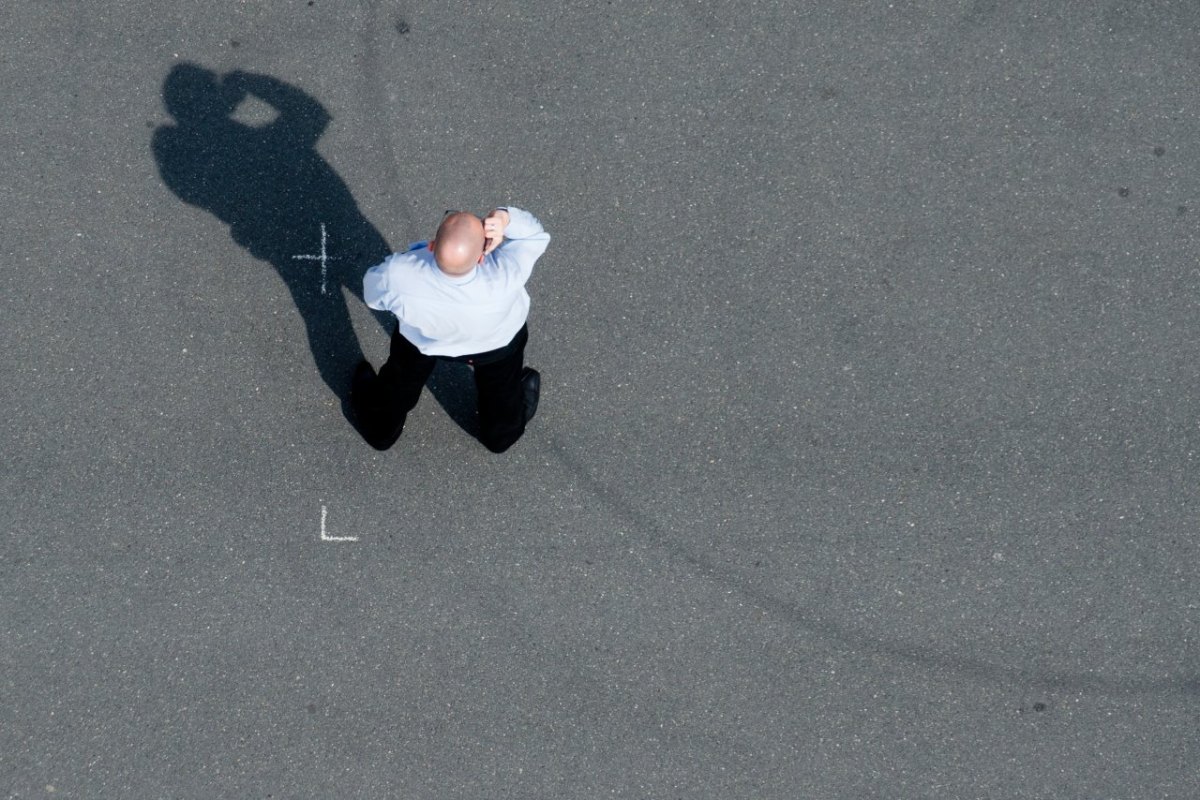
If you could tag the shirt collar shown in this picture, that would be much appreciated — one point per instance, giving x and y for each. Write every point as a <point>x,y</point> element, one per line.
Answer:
<point>457,280</point>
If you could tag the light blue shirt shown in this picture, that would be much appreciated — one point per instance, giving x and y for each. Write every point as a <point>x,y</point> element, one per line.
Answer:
<point>447,315</point>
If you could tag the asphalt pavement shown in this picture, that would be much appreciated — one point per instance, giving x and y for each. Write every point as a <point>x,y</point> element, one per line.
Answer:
<point>866,458</point>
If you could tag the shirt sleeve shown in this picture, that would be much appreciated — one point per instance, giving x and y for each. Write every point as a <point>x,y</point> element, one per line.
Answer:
<point>524,242</point>
<point>375,287</point>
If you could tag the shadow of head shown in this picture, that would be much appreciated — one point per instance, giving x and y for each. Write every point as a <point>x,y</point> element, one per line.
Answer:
<point>194,95</point>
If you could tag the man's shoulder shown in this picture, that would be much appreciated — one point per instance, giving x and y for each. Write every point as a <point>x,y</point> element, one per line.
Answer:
<point>415,259</point>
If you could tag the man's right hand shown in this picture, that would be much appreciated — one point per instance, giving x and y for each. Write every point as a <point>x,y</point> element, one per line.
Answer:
<point>493,229</point>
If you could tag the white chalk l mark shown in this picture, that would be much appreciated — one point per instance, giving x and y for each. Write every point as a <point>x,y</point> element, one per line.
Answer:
<point>323,257</point>
<point>327,538</point>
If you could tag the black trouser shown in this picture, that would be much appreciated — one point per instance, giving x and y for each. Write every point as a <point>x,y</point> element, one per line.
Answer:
<point>500,395</point>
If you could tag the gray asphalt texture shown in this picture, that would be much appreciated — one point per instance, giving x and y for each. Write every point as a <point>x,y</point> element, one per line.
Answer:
<point>866,462</point>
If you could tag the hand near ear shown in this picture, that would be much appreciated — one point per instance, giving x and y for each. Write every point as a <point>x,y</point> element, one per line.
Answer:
<point>493,229</point>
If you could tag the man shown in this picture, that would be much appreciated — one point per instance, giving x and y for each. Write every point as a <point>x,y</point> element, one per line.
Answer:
<point>460,296</point>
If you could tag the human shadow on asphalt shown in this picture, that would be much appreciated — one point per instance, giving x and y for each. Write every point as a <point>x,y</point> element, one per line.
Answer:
<point>283,203</point>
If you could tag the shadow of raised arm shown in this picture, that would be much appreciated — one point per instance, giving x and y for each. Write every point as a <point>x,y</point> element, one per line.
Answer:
<point>300,115</point>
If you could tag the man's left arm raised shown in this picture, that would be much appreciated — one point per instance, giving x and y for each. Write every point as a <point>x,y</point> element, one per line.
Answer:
<point>516,240</point>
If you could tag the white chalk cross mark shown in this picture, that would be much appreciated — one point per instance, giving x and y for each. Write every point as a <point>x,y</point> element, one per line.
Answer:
<point>327,538</point>
<point>324,257</point>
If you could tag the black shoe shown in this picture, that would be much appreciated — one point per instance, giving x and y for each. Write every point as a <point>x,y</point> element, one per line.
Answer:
<point>531,382</point>
<point>364,408</point>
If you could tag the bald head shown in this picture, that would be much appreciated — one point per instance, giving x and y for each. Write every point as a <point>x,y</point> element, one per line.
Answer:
<point>458,245</point>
